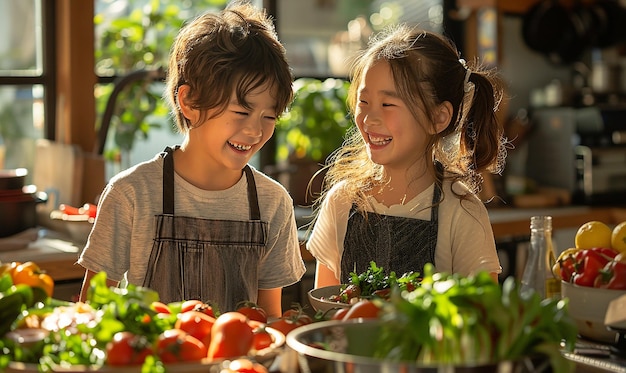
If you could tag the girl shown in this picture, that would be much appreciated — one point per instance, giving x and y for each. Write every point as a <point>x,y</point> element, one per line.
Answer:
<point>402,189</point>
<point>196,221</point>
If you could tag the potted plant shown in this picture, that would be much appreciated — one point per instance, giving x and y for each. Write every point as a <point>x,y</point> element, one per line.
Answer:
<point>309,132</point>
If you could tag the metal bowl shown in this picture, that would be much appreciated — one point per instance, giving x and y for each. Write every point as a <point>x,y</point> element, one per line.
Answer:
<point>349,347</point>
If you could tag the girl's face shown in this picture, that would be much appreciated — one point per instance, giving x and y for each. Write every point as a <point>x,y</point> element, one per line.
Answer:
<point>393,137</point>
<point>229,140</point>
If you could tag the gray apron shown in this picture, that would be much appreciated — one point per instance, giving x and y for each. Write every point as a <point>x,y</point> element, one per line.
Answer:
<point>395,243</point>
<point>211,260</point>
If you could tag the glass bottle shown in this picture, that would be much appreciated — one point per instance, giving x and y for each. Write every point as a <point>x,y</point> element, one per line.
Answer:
<point>541,257</point>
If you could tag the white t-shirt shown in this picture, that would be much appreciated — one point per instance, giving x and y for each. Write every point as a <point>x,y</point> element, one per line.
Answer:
<point>121,240</point>
<point>465,241</point>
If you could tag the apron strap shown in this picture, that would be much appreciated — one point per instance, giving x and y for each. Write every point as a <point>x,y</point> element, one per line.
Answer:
<point>168,181</point>
<point>253,199</point>
<point>434,211</point>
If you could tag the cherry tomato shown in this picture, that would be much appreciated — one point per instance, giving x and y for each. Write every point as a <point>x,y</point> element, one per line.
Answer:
<point>284,325</point>
<point>365,309</point>
<point>291,319</point>
<point>252,311</point>
<point>339,314</point>
<point>197,324</point>
<point>30,274</point>
<point>127,348</point>
<point>231,336</point>
<point>262,338</point>
<point>175,345</point>
<point>160,307</point>
<point>298,314</point>
<point>197,305</point>
<point>244,366</point>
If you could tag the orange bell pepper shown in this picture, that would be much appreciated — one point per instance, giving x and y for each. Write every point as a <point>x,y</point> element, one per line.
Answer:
<point>30,274</point>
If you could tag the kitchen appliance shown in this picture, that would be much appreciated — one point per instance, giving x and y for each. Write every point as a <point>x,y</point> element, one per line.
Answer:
<point>581,150</point>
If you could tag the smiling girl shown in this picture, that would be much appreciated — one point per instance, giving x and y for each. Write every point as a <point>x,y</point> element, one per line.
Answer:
<point>402,189</point>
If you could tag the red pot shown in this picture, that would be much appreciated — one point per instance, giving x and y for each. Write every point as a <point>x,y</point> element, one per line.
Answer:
<point>12,179</point>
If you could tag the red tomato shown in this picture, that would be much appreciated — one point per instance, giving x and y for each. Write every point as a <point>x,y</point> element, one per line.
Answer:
<point>339,314</point>
<point>252,311</point>
<point>160,307</point>
<point>197,305</point>
<point>197,324</point>
<point>262,338</point>
<point>297,314</point>
<point>175,345</point>
<point>231,336</point>
<point>284,325</point>
<point>127,348</point>
<point>365,309</point>
<point>291,319</point>
<point>245,366</point>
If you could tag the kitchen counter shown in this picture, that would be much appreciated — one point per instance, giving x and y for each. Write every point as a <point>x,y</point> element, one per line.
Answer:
<point>54,253</point>
<point>512,222</point>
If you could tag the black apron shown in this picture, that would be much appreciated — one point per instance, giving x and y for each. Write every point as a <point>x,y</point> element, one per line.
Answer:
<point>211,260</point>
<point>395,243</point>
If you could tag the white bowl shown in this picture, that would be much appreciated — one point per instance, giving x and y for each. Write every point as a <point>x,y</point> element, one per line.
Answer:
<point>587,306</point>
<point>319,298</point>
<point>78,227</point>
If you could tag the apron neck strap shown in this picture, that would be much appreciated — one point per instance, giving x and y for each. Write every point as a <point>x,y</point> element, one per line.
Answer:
<point>255,212</point>
<point>168,180</point>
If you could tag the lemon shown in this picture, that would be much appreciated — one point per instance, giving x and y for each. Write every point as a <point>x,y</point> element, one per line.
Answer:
<point>618,237</point>
<point>593,234</point>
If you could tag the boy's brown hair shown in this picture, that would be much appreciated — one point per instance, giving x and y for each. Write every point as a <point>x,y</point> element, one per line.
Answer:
<point>215,54</point>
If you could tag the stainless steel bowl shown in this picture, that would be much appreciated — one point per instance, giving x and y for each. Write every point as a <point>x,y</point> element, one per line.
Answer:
<point>349,347</point>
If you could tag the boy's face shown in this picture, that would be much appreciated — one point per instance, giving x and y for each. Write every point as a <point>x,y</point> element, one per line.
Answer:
<point>230,139</point>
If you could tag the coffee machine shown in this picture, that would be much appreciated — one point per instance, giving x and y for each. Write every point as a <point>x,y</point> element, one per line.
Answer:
<point>581,150</point>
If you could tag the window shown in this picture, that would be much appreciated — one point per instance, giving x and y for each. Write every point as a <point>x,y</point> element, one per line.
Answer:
<point>27,80</point>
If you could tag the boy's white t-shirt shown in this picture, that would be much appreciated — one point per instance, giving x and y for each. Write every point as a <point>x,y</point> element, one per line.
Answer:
<point>465,241</point>
<point>121,240</point>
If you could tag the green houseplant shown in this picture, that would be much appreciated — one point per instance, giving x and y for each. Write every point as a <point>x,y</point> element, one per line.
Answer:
<point>309,132</point>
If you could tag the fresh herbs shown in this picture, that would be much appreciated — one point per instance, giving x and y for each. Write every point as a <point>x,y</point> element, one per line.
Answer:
<point>375,279</point>
<point>456,320</point>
